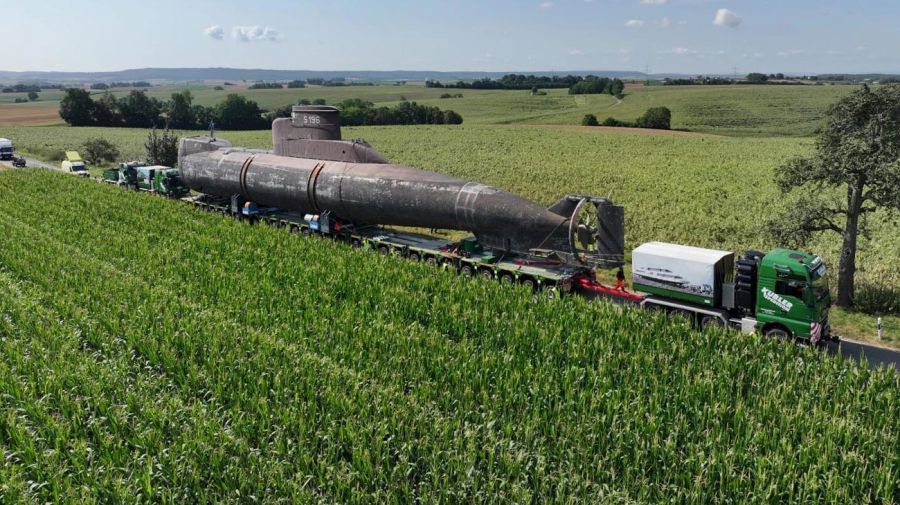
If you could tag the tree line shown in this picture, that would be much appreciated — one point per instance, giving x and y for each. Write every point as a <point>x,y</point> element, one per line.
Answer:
<point>592,85</point>
<point>577,85</point>
<point>137,110</point>
<point>236,112</point>
<point>511,81</point>
<point>656,118</point>
<point>358,112</point>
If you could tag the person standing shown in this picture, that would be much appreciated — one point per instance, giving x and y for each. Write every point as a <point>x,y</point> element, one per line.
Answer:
<point>620,280</point>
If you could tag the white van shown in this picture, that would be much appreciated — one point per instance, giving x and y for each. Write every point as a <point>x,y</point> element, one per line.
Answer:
<point>73,164</point>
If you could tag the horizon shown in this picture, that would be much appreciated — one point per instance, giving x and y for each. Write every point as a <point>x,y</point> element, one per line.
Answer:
<point>689,37</point>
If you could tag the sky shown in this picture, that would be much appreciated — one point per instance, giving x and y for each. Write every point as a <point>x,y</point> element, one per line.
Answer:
<point>664,36</point>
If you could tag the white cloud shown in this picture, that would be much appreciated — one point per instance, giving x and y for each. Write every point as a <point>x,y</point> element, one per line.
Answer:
<point>576,52</point>
<point>679,51</point>
<point>256,32</point>
<point>725,17</point>
<point>634,23</point>
<point>795,52</point>
<point>215,32</point>
<point>654,2</point>
<point>545,5</point>
<point>665,23</point>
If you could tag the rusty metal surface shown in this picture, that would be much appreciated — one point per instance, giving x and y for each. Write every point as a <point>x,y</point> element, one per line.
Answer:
<point>312,171</point>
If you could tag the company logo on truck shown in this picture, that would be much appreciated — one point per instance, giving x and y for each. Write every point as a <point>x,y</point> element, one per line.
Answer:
<point>773,297</point>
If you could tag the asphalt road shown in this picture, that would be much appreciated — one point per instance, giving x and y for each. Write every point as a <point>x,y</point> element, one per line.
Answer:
<point>875,356</point>
<point>31,163</point>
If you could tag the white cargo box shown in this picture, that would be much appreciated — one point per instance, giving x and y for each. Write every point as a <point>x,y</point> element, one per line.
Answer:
<point>682,272</point>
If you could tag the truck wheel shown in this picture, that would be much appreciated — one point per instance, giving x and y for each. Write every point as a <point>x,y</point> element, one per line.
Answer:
<point>431,261</point>
<point>466,270</point>
<point>529,283</point>
<point>507,279</point>
<point>414,256</point>
<point>355,243</point>
<point>710,322</point>
<point>305,232</point>
<point>679,314</point>
<point>778,333</point>
<point>487,274</point>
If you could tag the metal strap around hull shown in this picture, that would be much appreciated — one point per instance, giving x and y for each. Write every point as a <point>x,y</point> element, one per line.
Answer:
<point>311,187</point>
<point>243,177</point>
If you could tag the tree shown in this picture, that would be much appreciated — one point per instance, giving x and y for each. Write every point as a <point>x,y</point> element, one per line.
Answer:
<point>451,117</point>
<point>858,156</point>
<point>589,120</point>
<point>138,110</point>
<point>658,118</point>
<point>77,108</point>
<point>757,78</point>
<point>239,113</point>
<point>106,110</point>
<point>98,150</point>
<point>32,95</point>
<point>181,115</point>
<point>162,149</point>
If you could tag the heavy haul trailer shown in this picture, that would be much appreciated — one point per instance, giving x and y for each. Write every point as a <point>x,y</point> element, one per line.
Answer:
<point>314,182</point>
<point>467,257</point>
<point>348,190</point>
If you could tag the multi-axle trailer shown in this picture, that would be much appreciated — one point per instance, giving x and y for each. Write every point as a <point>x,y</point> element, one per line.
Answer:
<point>315,183</point>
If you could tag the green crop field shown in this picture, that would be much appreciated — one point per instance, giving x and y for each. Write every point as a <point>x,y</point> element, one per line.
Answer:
<point>706,191</point>
<point>151,352</point>
<point>742,110</point>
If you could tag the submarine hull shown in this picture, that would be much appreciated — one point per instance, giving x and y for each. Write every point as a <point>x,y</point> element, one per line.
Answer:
<point>373,193</point>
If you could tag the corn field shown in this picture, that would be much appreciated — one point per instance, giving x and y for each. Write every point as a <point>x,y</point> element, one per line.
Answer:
<point>153,353</point>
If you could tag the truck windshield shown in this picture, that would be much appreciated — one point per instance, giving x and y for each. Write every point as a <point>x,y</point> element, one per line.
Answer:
<point>819,285</point>
<point>78,168</point>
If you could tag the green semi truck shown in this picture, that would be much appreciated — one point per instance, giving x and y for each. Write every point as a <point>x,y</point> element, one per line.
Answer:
<point>782,293</point>
<point>158,179</point>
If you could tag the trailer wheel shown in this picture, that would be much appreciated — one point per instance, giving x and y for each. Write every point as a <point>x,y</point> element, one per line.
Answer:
<point>355,243</point>
<point>486,273</point>
<point>676,314</point>
<point>384,250</point>
<point>711,322</point>
<point>507,279</point>
<point>414,256</point>
<point>529,283</point>
<point>466,270</point>
<point>431,261</point>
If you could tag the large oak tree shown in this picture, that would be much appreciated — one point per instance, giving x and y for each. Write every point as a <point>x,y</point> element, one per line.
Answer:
<point>857,156</point>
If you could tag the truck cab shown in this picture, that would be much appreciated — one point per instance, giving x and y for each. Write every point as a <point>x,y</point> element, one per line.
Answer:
<point>123,175</point>
<point>792,295</point>
<point>782,293</point>
<point>73,164</point>
<point>6,149</point>
<point>163,180</point>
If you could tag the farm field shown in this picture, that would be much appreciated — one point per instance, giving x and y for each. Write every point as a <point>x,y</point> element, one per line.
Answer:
<point>247,364</point>
<point>742,110</point>
<point>706,191</point>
